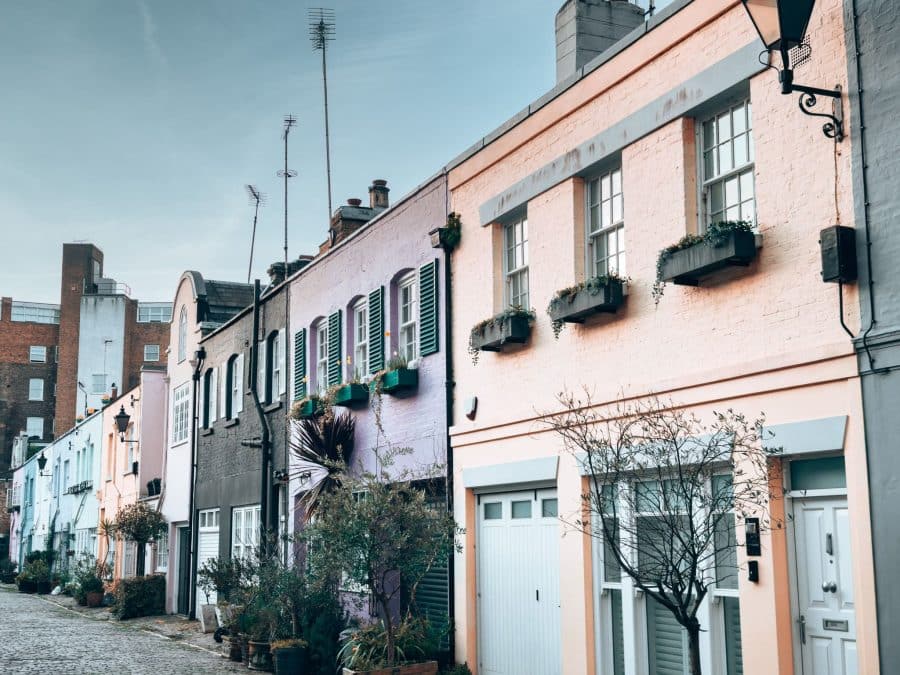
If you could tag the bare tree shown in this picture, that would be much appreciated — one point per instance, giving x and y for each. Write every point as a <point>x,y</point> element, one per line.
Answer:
<point>664,493</point>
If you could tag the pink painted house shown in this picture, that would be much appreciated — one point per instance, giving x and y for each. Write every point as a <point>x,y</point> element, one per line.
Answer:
<point>675,127</point>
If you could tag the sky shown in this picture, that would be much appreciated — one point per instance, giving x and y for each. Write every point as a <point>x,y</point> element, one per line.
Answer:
<point>136,124</point>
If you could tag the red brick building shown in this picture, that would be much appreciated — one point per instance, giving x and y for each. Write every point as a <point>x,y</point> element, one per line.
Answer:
<point>57,361</point>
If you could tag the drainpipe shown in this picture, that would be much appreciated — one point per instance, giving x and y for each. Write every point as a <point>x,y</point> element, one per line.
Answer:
<point>265,444</point>
<point>199,358</point>
<point>450,384</point>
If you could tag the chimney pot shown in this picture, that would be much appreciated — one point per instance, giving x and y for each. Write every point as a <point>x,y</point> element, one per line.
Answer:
<point>378,194</point>
<point>354,201</point>
<point>114,392</point>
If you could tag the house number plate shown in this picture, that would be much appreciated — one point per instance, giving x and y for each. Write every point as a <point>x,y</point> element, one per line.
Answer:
<point>834,624</point>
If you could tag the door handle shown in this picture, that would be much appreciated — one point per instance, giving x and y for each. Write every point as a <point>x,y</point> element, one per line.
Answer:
<point>829,587</point>
<point>802,622</point>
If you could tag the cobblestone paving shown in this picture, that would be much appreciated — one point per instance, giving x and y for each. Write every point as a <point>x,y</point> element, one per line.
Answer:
<point>37,636</point>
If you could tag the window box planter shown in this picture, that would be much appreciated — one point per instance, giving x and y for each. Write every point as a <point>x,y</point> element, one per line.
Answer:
<point>587,300</point>
<point>350,395</point>
<point>399,381</point>
<point>496,334</point>
<point>310,407</point>
<point>690,265</point>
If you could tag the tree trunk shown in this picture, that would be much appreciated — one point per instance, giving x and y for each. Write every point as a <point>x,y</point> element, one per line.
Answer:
<point>389,629</point>
<point>694,647</point>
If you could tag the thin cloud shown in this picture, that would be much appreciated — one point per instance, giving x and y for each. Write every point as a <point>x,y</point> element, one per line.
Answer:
<point>149,31</point>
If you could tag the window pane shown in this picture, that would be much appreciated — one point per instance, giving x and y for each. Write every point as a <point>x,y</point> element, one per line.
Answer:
<point>732,192</point>
<point>739,120</point>
<point>741,153</point>
<point>709,164</point>
<point>617,182</point>
<point>746,185</point>
<point>818,474</point>
<point>709,135</point>
<point>617,629</point>
<point>725,161</point>
<point>617,208</point>
<point>724,127</point>
<point>594,192</point>
<point>549,508</point>
<point>606,187</point>
<point>611,569</point>
<point>493,510</point>
<point>521,509</point>
<point>716,198</point>
<point>734,658</point>
<point>726,552</point>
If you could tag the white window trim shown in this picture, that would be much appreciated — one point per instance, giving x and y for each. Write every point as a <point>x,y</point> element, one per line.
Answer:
<point>523,270</point>
<point>182,334</point>
<point>360,339</point>
<point>37,354</point>
<point>146,347</point>
<point>703,184</point>
<point>180,415</point>
<point>28,425</point>
<point>239,547</point>
<point>35,396</point>
<point>618,225</point>
<point>408,281</point>
<point>321,357</point>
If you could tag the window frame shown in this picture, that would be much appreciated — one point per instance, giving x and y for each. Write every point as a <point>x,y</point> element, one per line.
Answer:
<point>616,226</point>
<point>360,335</point>
<point>150,360</point>
<point>31,383</point>
<point>321,357</point>
<point>28,424</point>
<point>180,414</point>
<point>408,330</point>
<point>245,549</point>
<point>154,312</point>
<point>705,183</point>
<point>37,354</point>
<point>517,226</point>
<point>182,334</point>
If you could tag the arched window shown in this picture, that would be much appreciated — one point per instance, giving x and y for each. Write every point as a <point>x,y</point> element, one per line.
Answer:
<point>182,335</point>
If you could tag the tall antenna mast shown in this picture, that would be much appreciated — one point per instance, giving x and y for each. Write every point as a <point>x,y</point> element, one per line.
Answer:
<point>256,198</point>
<point>289,122</point>
<point>321,32</point>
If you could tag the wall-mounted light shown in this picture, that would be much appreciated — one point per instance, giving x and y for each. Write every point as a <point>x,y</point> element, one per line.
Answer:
<point>122,419</point>
<point>781,25</point>
<point>42,464</point>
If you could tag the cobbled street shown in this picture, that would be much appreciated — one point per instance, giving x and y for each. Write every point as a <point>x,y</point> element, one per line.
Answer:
<point>38,636</point>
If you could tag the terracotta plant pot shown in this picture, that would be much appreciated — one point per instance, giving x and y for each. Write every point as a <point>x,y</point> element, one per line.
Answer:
<point>94,599</point>
<point>260,656</point>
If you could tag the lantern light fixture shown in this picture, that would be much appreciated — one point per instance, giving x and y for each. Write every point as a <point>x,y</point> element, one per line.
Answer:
<point>782,25</point>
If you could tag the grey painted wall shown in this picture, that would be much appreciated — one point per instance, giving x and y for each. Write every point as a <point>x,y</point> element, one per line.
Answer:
<point>878,27</point>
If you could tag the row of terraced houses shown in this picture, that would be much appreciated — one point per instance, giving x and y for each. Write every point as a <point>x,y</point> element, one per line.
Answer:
<point>660,125</point>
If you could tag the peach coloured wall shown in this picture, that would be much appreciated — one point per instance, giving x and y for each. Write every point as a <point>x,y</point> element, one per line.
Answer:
<point>767,337</point>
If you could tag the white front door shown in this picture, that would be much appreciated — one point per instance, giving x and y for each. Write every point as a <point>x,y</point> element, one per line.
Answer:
<point>207,549</point>
<point>825,602</point>
<point>518,583</point>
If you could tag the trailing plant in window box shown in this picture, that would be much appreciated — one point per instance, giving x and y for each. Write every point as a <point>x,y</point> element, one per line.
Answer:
<point>575,303</point>
<point>351,394</point>
<point>396,378</point>
<point>447,237</point>
<point>511,326</point>
<point>725,243</point>
<point>310,406</point>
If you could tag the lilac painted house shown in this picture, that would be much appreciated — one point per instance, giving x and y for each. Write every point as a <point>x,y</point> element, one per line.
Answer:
<point>375,293</point>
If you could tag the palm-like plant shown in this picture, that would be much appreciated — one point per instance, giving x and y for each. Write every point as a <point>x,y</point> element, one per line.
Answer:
<point>327,443</point>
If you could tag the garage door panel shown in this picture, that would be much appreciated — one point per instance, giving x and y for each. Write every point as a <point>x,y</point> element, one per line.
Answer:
<point>518,584</point>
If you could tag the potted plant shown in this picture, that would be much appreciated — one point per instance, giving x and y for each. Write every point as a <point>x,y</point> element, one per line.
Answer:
<point>39,572</point>
<point>141,524</point>
<point>311,406</point>
<point>25,580</point>
<point>351,394</point>
<point>694,257</point>
<point>511,326</point>
<point>394,528</point>
<point>88,581</point>
<point>575,304</point>
<point>363,649</point>
<point>447,237</point>
<point>397,377</point>
<point>287,655</point>
<point>7,571</point>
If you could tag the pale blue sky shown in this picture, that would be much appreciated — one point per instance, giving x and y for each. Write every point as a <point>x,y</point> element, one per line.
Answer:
<point>134,124</point>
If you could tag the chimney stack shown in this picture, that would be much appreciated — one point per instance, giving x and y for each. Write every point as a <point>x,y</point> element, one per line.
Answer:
<point>114,392</point>
<point>378,194</point>
<point>586,28</point>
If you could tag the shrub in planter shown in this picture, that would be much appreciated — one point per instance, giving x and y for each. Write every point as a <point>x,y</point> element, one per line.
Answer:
<point>288,655</point>
<point>35,577</point>
<point>7,571</point>
<point>577,303</point>
<point>365,650</point>
<point>140,596</point>
<point>87,580</point>
<point>511,326</point>
<point>396,379</point>
<point>311,406</point>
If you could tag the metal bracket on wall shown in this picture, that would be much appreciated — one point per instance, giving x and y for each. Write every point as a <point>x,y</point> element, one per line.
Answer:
<point>808,100</point>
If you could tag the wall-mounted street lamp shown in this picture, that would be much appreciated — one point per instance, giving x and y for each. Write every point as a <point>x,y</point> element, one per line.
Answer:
<point>122,419</point>
<point>782,24</point>
<point>42,464</point>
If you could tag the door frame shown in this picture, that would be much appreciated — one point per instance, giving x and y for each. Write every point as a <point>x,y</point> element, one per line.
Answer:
<point>790,497</point>
<point>505,491</point>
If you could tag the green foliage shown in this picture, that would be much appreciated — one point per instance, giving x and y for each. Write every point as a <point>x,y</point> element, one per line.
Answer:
<point>498,320</point>
<point>87,577</point>
<point>594,286</point>
<point>452,232</point>
<point>140,596</point>
<point>139,523</point>
<point>716,235</point>
<point>374,528</point>
<point>36,571</point>
<point>460,669</point>
<point>225,576</point>
<point>7,566</point>
<point>366,648</point>
<point>327,443</point>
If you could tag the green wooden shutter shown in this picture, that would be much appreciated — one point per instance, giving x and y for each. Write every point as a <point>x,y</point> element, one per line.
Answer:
<point>428,309</point>
<point>335,358</point>
<point>376,330</point>
<point>300,364</point>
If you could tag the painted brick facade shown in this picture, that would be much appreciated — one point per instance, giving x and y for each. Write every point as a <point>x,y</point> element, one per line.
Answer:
<point>765,338</point>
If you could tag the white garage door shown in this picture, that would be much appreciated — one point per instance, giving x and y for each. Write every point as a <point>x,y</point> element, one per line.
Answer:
<point>518,583</point>
<point>207,548</point>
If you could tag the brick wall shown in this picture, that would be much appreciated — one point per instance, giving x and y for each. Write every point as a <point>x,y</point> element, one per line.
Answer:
<point>77,269</point>
<point>136,336</point>
<point>16,369</point>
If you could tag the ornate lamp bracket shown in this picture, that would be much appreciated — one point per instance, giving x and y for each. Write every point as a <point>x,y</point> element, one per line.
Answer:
<point>809,99</point>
